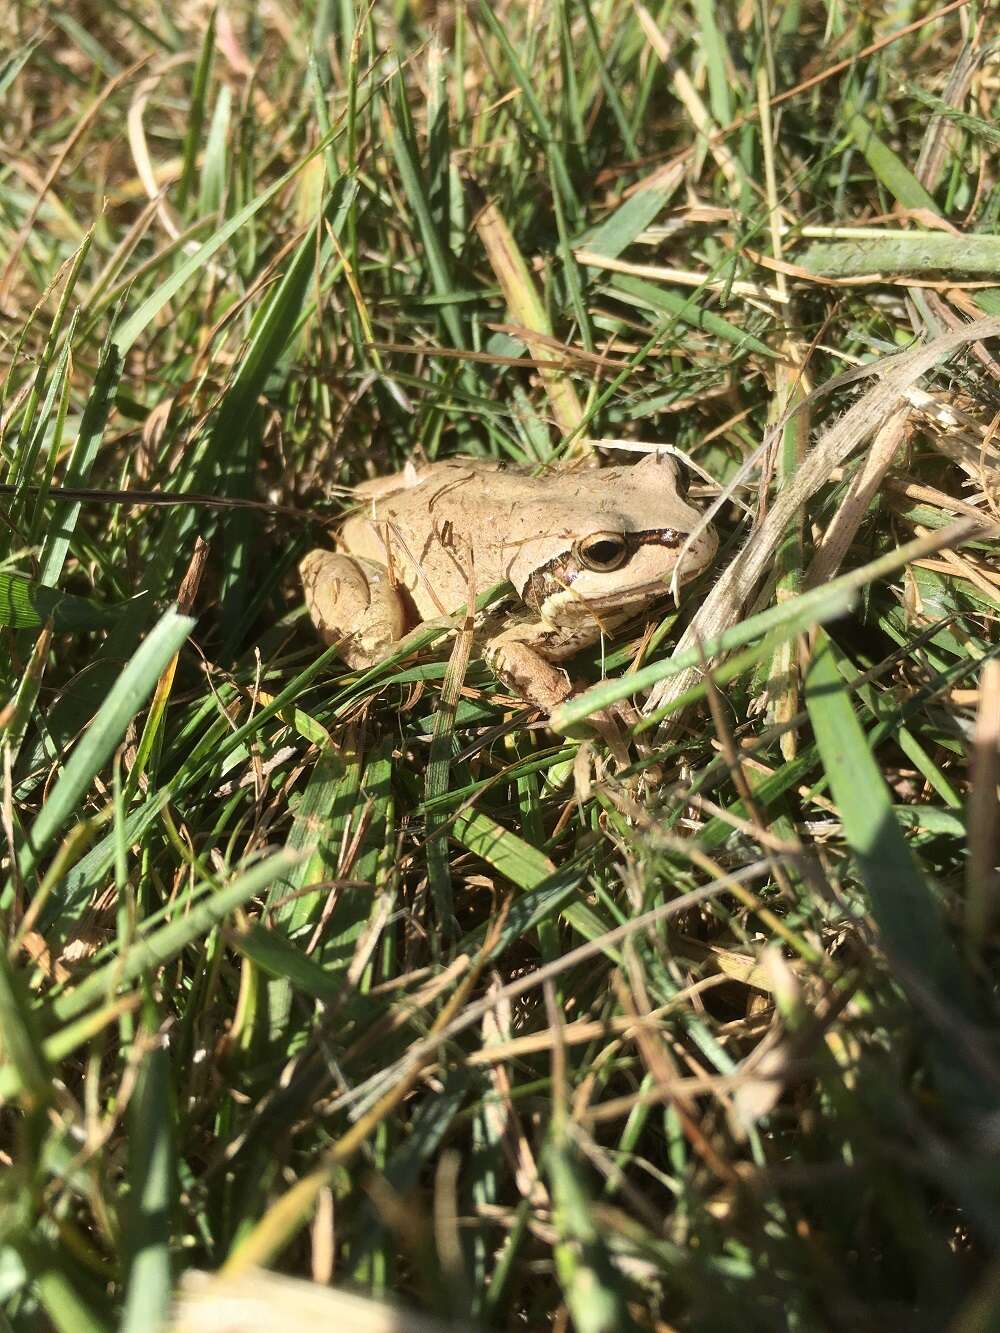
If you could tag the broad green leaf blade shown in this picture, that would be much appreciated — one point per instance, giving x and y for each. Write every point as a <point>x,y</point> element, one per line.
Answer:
<point>908,252</point>
<point>716,57</point>
<point>620,229</point>
<point>505,851</point>
<point>67,1309</point>
<point>274,955</point>
<point>25,604</point>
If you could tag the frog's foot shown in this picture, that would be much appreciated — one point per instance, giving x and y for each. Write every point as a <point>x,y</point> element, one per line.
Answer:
<point>353,605</point>
<point>523,669</point>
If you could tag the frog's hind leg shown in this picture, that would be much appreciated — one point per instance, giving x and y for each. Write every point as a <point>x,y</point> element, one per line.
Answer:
<point>353,605</point>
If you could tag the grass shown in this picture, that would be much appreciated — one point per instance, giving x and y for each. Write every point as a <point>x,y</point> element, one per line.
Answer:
<point>369,977</point>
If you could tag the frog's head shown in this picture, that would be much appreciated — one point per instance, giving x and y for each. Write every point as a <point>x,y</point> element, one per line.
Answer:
<point>608,540</point>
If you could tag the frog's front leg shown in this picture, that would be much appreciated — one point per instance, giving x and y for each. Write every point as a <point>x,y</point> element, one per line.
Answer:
<point>515,657</point>
<point>354,605</point>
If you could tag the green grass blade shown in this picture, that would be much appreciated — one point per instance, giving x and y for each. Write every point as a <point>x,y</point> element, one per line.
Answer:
<point>64,1042</point>
<point>621,227</point>
<point>688,311</point>
<point>151,1197</point>
<point>543,125</point>
<point>137,323</point>
<point>590,1284</point>
<point>439,773</point>
<point>92,424</point>
<point>214,167</point>
<point>902,904</point>
<point>22,1061</point>
<point>196,114</point>
<point>713,46</point>
<point>778,623</point>
<point>608,83</point>
<point>905,252</point>
<point>231,451</point>
<point>65,1307</point>
<point>277,958</point>
<point>523,864</point>
<point>12,64</point>
<point>308,291</point>
<point>25,604</point>
<point>162,945</point>
<point>133,687</point>
<point>270,332</point>
<point>403,144</point>
<point>888,167</point>
<point>32,432</point>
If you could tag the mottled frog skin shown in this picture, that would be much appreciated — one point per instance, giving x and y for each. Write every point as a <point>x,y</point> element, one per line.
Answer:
<point>585,550</point>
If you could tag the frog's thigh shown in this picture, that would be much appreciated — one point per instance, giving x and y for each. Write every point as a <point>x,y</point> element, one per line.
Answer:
<point>352,604</point>
<point>523,668</point>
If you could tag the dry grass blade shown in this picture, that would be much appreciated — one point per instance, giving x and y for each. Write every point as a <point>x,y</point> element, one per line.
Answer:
<point>527,311</point>
<point>262,1302</point>
<point>841,531</point>
<point>727,600</point>
<point>77,133</point>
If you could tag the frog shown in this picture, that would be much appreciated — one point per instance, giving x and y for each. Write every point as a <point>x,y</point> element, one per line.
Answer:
<point>584,550</point>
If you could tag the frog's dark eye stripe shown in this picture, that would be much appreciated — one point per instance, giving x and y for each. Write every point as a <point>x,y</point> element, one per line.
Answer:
<point>668,537</point>
<point>603,552</point>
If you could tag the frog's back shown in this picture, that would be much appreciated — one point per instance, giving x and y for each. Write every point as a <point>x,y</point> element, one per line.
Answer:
<point>426,522</point>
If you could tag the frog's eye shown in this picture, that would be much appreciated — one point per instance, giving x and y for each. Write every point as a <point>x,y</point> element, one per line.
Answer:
<point>603,551</point>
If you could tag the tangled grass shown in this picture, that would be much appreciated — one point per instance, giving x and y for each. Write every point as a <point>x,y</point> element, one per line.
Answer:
<point>372,977</point>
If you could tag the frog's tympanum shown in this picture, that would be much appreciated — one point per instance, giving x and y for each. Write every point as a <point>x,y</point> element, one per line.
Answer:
<point>585,551</point>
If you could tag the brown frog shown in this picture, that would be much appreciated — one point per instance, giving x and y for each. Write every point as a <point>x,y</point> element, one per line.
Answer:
<point>585,550</point>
